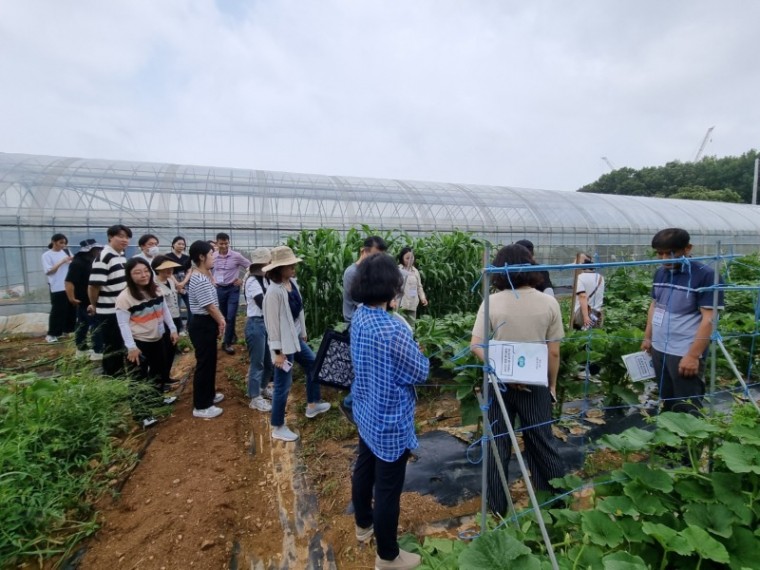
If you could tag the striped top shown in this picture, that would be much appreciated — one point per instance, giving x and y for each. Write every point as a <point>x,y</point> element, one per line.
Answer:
<point>108,274</point>
<point>202,293</point>
<point>142,319</point>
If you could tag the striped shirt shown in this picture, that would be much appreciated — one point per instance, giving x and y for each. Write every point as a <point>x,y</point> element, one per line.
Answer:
<point>227,267</point>
<point>202,293</point>
<point>387,364</point>
<point>108,274</point>
<point>142,319</point>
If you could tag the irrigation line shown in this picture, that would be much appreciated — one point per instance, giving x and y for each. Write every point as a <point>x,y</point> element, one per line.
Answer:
<point>735,370</point>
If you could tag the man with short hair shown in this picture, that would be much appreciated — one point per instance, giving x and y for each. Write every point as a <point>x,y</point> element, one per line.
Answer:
<point>107,280</point>
<point>679,322</point>
<point>227,267</point>
<point>148,244</point>
<point>373,244</point>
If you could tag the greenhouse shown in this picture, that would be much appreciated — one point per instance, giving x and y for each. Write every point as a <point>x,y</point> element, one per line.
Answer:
<point>42,195</point>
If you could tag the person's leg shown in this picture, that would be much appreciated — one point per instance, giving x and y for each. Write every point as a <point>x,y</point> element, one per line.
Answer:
<point>282,382</point>
<point>169,351</point>
<point>58,313</point>
<point>686,392</point>
<point>362,482</point>
<point>113,346</point>
<point>306,359</point>
<point>153,368</point>
<point>233,301</point>
<point>97,333</point>
<point>497,495</point>
<point>185,298</point>
<point>256,346</point>
<point>543,460</point>
<point>83,324</point>
<point>203,336</point>
<point>663,379</point>
<point>268,368</point>
<point>223,294</point>
<point>389,482</point>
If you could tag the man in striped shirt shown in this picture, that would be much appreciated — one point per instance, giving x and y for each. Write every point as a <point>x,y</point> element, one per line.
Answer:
<point>107,280</point>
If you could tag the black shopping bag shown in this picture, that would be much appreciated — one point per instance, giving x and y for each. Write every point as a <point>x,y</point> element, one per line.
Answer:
<point>333,366</point>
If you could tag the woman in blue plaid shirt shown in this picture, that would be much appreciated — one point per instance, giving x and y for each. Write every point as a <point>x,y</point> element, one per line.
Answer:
<point>387,365</point>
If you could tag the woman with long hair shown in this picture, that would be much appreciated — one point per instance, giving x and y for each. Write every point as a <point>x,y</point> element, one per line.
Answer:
<point>143,316</point>
<point>207,325</point>
<point>181,274</point>
<point>518,312</point>
<point>412,293</point>
<point>286,328</point>
<point>55,263</point>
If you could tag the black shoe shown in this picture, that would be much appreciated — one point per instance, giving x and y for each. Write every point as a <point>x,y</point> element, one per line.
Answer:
<point>228,349</point>
<point>347,411</point>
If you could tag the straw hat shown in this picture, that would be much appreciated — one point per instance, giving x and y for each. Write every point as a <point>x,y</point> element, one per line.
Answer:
<point>281,255</point>
<point>261,256</point>
<point>168,264</point>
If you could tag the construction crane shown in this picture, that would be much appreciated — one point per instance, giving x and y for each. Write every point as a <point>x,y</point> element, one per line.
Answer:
<point>703,145</point>
<point>607,160</point>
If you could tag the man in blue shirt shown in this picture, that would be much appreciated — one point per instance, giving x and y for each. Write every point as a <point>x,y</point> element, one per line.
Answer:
<point>679,322</point>
<point>387,365</point>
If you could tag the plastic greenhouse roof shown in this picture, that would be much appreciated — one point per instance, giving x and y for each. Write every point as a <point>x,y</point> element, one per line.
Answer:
<point>56,191</point>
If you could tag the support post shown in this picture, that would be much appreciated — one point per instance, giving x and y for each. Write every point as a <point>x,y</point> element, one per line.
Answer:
<point>754,181</point>
<point>713,336</point>
<point>485,396</point>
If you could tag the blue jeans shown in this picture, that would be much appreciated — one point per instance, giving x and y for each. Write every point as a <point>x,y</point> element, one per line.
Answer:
<point>283,380</point>
<point>85,323</point>
<point>229,300</point>
<point>185,298</point>
<point>261,368</point>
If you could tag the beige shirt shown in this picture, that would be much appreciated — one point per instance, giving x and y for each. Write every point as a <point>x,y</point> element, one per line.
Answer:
<point>524,315</point>
<point>413,292</point>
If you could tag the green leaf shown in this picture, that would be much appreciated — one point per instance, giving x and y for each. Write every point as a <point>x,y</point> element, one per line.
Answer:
<point>588,557</point>
<point>746,434</point>
<point>705,545</point>
<point>633,439</point>
<point>652,478</point>
<point>618,505</point>
<point>725,486</point>
<point>740,458</point>
<point>668,538</point>
<point>647,502</point>
<point>496,550</point>
<point>442,545</point>
<point>717,519</point>
<point>685,425</point>
<point>743,548</point>
<point>623,561</point>
<point>692,489</point>
<point>601,528</point>
<point>632,530</point>
<point>666,438</point>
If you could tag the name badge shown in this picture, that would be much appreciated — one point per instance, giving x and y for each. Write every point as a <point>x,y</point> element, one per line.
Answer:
<point>658,317</point>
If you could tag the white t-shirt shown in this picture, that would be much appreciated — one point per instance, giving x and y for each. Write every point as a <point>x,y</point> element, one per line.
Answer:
<point>587,282</point>
<point>56,280</point>
<point>253,289</point>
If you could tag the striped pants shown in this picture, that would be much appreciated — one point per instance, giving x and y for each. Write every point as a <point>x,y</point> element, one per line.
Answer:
<point>541,456</point>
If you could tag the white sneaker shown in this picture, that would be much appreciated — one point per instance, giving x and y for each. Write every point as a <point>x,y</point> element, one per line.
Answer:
<point>147,422</point>
<point>170,400</point>
<point>183,333</point>
<point>319,408</point>
<point>208,413</point>
<point>218,397</point>
<point>404,561</point>
<point>364,534</point>
<point>283,433</point>
<point>260,404</point>
<point>96,356</point>
<point>51,339</point>
<point>82,354</point>
<point>268,391</point>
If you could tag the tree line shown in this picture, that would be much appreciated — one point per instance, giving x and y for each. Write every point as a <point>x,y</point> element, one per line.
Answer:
<point>727,179</point>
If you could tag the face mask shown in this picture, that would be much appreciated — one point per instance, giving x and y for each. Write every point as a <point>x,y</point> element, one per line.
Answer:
<point>153,251</point>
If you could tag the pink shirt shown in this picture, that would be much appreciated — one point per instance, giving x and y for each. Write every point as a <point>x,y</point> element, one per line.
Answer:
<point>227,267</point>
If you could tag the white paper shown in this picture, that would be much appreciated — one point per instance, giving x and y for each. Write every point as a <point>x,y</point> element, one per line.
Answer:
<point>520,362</point>
<point>639,366</point>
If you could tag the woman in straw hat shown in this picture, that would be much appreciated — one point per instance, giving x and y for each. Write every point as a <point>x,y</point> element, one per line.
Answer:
<point>286,329</point>
<point>261,369</point>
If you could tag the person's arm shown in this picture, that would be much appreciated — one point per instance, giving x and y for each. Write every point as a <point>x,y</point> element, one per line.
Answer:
<point>415,365</point>
<point>93,291</point>
<point>420,290</point>
<point>553,367</point>
<point>169,324</point>
<point>689,364</point>
<point>476,347</point>
<point>243,264</point>
<point>646,344</point>
<point>133,353</point>
<point>272,324</point>
<point>69,287</point>
<point>50,268</point>
<point>583,303</point>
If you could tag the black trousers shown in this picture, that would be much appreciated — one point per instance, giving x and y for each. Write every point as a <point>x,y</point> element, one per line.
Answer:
<point>203,331</point>
<point>151,371</point>
<point>541,456</point>
<point>113,345</point>
<point>387,480</point>
<point>678,393</point>
<point>62,314</point>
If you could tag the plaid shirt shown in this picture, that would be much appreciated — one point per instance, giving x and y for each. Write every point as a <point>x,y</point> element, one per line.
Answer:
<point>387,364</point>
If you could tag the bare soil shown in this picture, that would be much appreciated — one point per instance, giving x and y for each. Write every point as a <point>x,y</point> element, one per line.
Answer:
<point>217,494</point>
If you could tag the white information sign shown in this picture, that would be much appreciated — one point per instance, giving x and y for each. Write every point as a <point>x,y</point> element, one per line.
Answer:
<point>520,362</point>
<point>639,366</point>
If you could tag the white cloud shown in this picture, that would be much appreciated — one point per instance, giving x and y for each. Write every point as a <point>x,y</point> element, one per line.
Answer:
<point>523,94</point>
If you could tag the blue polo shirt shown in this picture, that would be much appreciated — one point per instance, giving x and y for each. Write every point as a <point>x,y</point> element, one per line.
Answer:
<point>387,364</point>
<point>677,305</point>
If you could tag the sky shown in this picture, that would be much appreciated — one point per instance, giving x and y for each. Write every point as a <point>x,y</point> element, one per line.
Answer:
<point>527,94</point>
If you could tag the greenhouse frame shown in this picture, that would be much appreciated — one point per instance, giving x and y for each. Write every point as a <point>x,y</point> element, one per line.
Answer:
<point>43,195</point>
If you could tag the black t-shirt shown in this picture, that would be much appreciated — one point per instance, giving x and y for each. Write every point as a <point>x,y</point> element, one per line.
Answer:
<point>547,283</point>
<point>79,276</point>
<point>185,264</point>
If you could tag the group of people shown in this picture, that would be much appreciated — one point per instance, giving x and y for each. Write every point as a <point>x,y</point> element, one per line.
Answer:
<point>131,303</point>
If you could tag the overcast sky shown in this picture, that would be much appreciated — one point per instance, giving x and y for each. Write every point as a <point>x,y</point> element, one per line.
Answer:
<point>529,94</point>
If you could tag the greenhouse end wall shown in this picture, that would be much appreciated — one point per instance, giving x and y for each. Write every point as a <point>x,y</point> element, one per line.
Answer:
<point>42,195</point>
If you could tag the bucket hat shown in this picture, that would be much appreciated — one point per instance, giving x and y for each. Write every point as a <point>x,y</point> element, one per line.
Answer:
<point>88,245</point>
<point>261,256</point>
<point>281,255</point>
